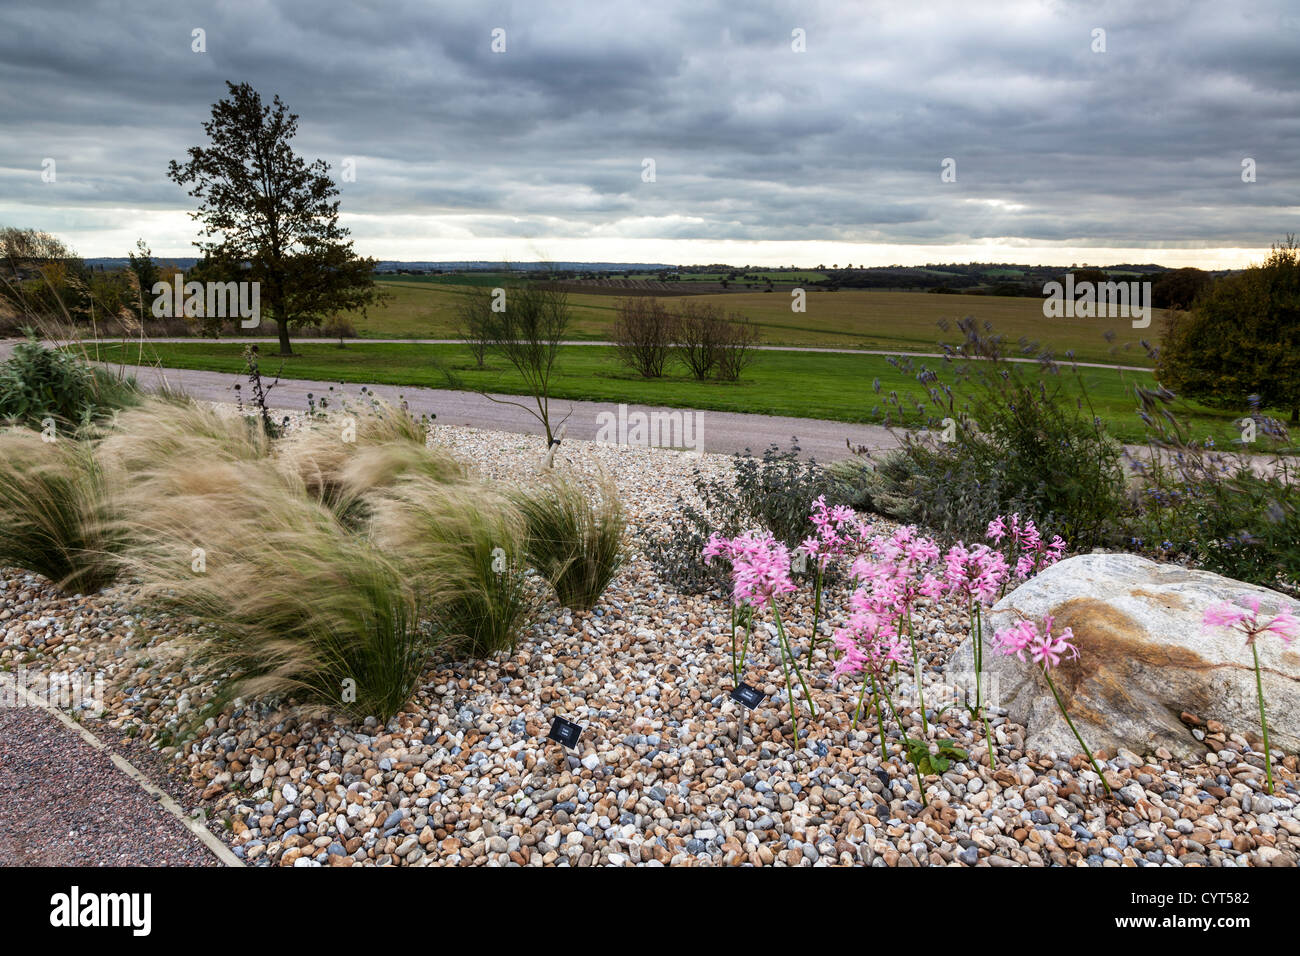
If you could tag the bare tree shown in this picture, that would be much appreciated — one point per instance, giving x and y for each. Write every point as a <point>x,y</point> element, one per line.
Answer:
<point>709,342</point>
<point>737,347</point>
<point>473,322</point>
<point>643,334</point>
<point>527,330</point>
<point>699,330</point>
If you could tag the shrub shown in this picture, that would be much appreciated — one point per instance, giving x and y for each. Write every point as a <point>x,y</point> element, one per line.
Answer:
<point>55,512</point>
<point>708,341</point>
<point>1234,512</point>
<point>771,493</point>
<point>339,327</point>
<point>736,347</point>
<point>574,539</point>
<point>295,604</point>
<point>883,488</point>
<point>463,547</point>
<point>38,383</point>
<point>643,335</point>
<point>1019,443</point>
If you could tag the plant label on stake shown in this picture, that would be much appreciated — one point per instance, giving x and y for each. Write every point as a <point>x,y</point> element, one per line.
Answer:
<point>751,697</point>
<point>566,732</point>
<point>748,697</point>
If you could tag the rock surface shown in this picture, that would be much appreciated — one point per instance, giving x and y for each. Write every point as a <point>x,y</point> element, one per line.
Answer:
<point>1144,659</point>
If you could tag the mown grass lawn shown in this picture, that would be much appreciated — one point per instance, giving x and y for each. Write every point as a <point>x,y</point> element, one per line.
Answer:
<point>832,386</point>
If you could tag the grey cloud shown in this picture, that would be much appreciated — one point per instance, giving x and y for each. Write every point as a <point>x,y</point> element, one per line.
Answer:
<point>1141,144</point>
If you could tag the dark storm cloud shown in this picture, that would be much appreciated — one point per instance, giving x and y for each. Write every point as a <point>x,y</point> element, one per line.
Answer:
<point>751,140</point>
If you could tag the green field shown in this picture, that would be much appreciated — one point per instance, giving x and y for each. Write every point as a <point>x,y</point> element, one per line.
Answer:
<point>805,384</point>
<point>424,307</point>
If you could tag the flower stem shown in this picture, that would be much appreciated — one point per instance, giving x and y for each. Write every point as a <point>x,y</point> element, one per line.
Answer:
<point>978,628</point>
<point>817,611</point>
<point>794,660</point>
<point>916,674</point>
<point>735,671</point>
<point>1086,751</point>
<point>866,676</point>
<point>1263,721</point>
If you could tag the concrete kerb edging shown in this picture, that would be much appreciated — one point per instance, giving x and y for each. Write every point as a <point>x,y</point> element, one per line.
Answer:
<point>219,849</point>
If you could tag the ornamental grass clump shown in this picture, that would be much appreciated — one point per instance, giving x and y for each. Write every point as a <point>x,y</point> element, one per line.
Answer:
<point>142,444</point>
<point>463,547</point>
<point>1046,649</point>
<point>1245,617</point>
<point>574,536</point>
<point>57,511</point>
<point>293,604</point>
<point>340,457</point>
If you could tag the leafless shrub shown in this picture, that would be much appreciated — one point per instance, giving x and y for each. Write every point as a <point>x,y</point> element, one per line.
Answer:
<point>699,330</point>
<point>709,341</point>
<point>643,334</point>
<point>736,349</point>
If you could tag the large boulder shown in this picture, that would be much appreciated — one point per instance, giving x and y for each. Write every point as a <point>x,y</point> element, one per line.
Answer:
<point>1144,658</point>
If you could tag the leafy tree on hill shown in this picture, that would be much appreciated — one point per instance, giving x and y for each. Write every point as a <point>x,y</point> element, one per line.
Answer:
<point>1242,338</point>
<point>271,218</point>
<point>1178,288</point>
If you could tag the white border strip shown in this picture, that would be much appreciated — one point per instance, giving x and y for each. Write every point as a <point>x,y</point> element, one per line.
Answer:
<point>219,849</point>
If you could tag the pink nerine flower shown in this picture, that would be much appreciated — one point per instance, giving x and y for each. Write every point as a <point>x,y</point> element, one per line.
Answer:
<point>1043,647</point>
<point>760,566</point>
<point>1244,617</point>
<point>978,572</point>
<point>1025,544</point>
<point>837,529</point>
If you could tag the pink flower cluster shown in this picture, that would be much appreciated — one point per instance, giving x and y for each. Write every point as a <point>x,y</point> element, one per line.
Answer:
<point>977,572</point>
<point>1043,647</point>
<point>1025,544</point>
<point>837,530</point>
<point>760,566</point>
<point>899,569</point>
<point>1244,616</point>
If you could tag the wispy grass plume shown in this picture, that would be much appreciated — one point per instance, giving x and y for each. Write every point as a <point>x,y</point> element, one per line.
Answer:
<point>574,536</point>
<point>463,546</point>
<point>296,604</point>
<point>55,512</point>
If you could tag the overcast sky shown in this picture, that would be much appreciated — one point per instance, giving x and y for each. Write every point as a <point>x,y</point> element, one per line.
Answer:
<point>762,153</point>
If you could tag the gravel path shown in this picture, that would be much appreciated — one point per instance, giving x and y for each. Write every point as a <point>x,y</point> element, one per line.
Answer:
<point>64,803</point>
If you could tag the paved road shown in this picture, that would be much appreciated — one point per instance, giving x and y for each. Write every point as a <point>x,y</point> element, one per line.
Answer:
<point>714,432</point>
<point>708,431</point>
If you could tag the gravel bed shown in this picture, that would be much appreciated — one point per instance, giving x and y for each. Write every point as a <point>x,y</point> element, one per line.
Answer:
<point>465,776</point>
<point>64,803</point>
